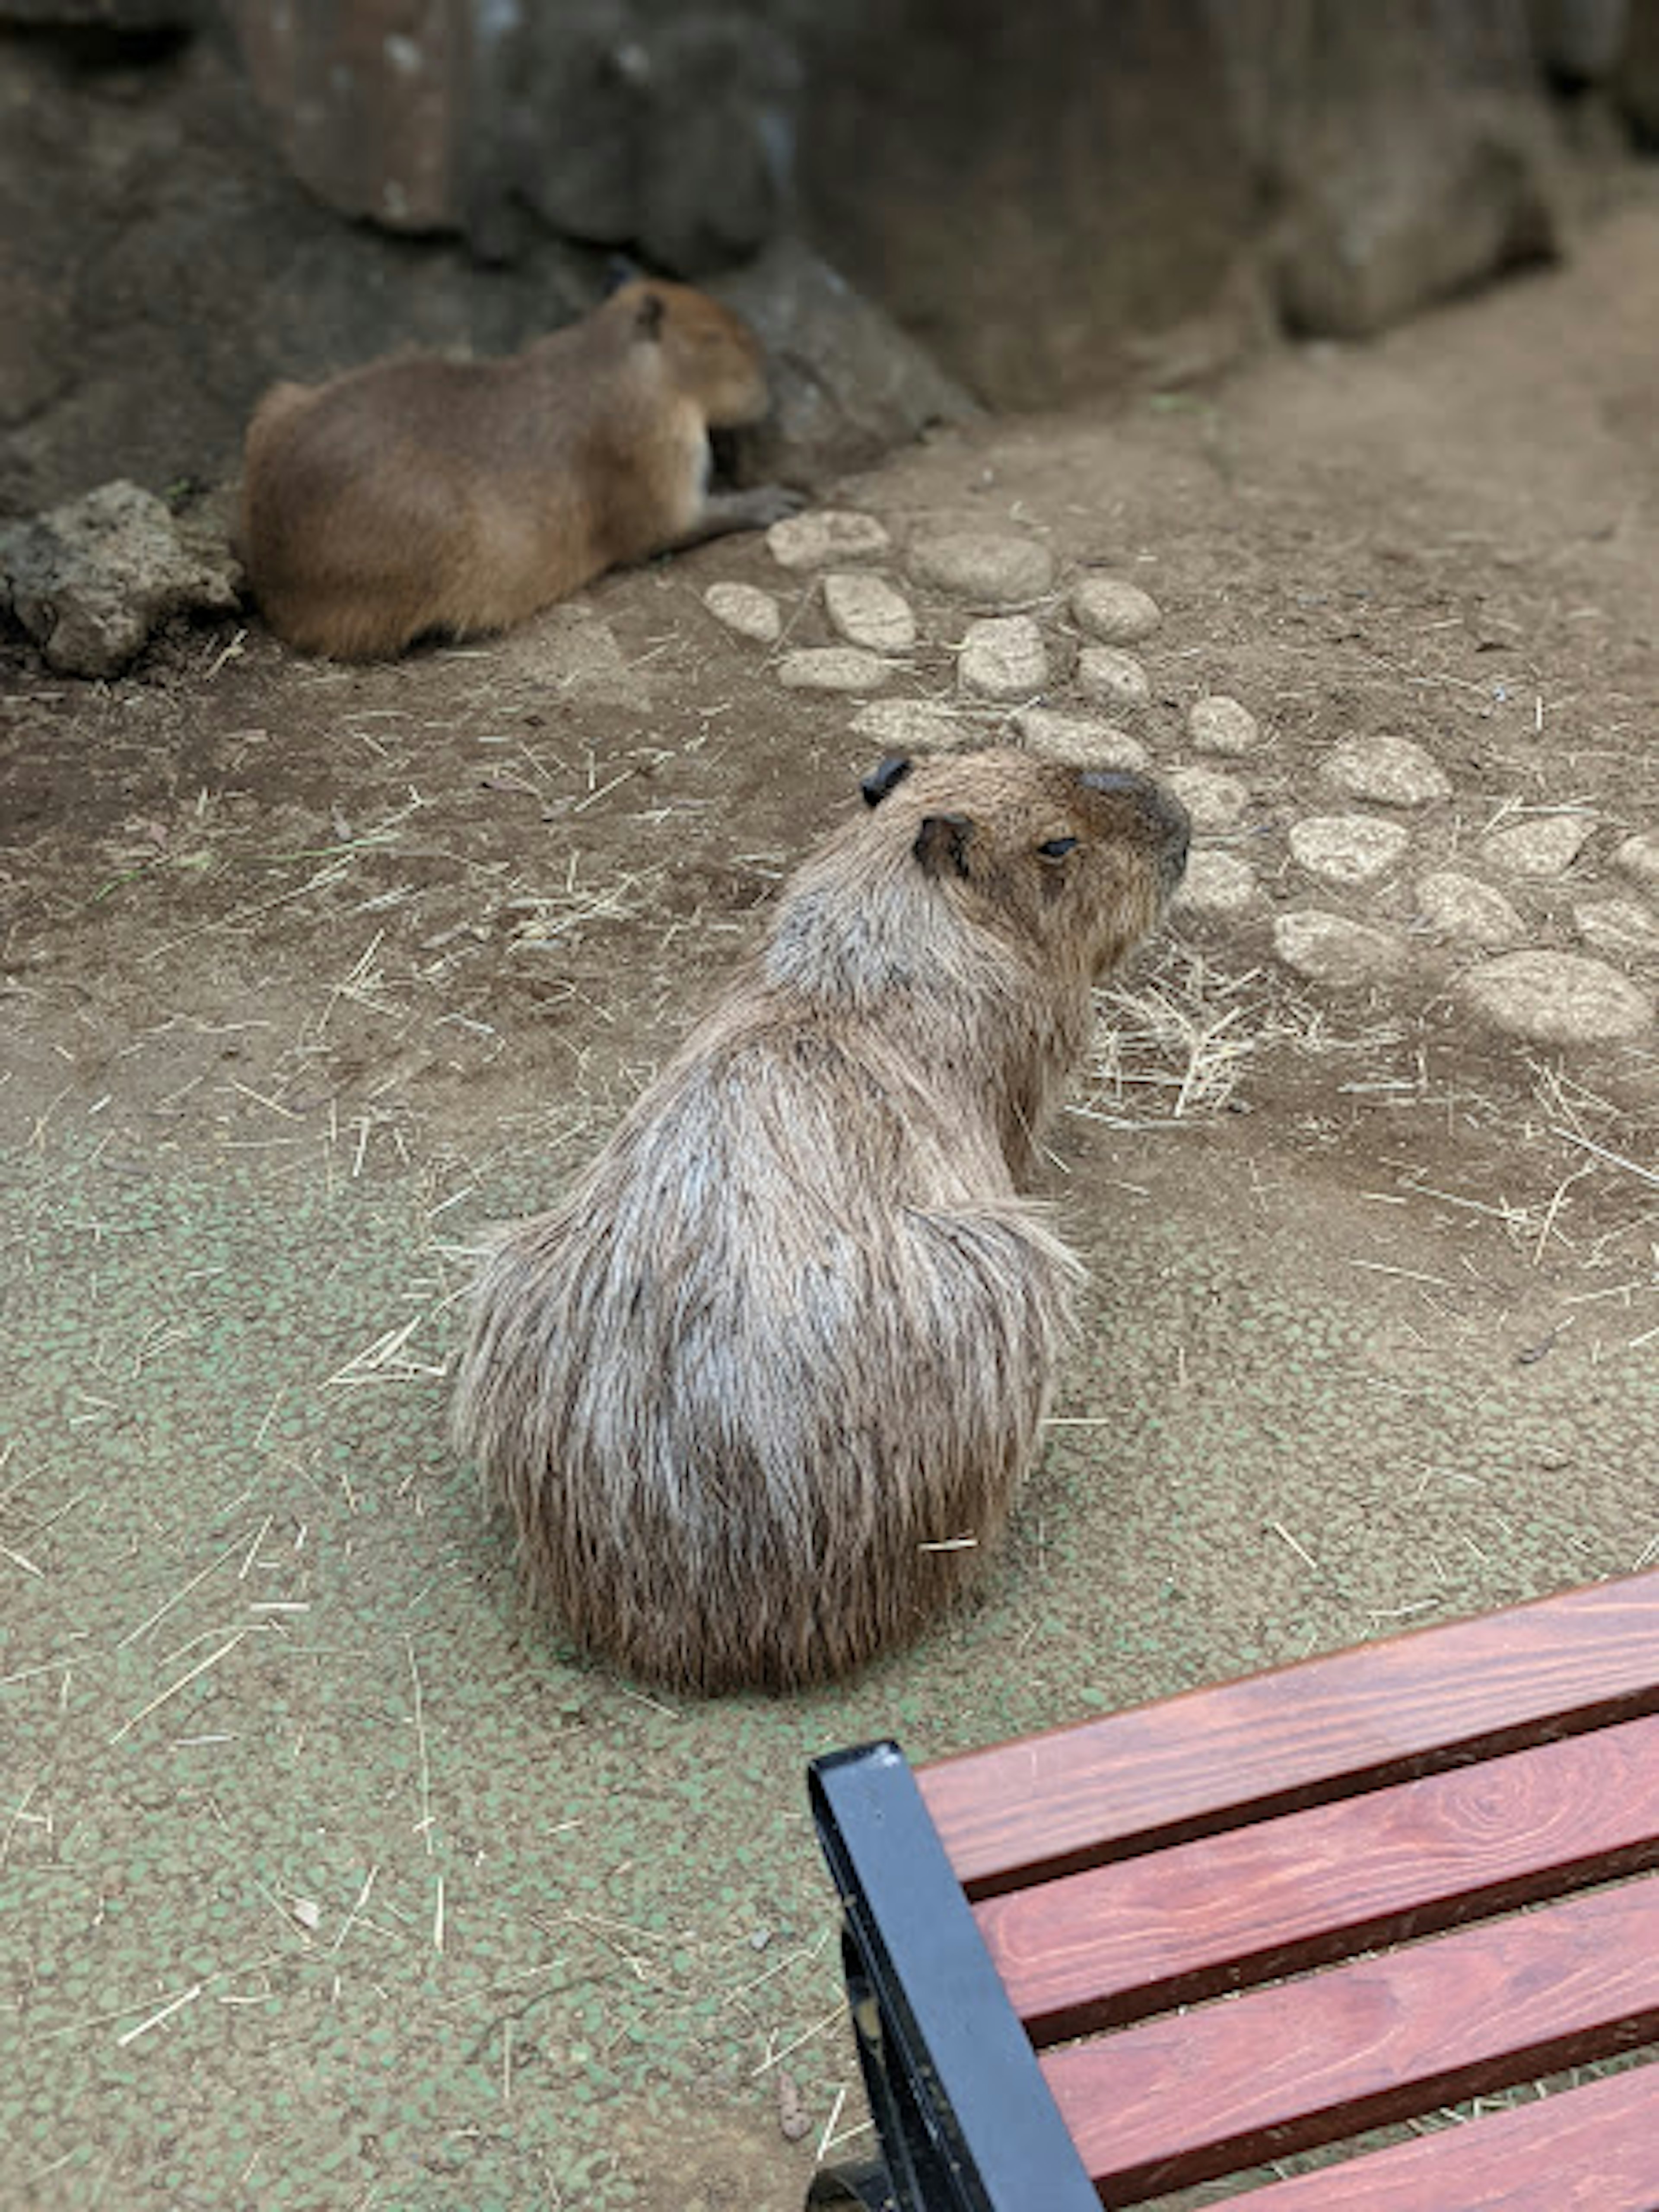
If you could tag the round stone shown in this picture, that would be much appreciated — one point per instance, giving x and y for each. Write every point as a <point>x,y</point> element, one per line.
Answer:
<point>1391,771</point>
<point>1116,612</point>
<point>1638,856</point>
<point>921,726</point>
<point>1003,658</point>
<point>1220,725</point>
<point>867,612</point>
<point>1328,948</point>
<point>1547,847</point>
<point>1558,997</point>
<point>750,611</point>
<point>812,541</point>
<point>1617,926</point>
<point>1215,802</point>
<point>1079,740</point>
<point>1347,848</point>
<point>832,668</point>
<point>1219,885</point>
<point>975,564</point>
<point>1463,908</point>
<point>1115,679</point>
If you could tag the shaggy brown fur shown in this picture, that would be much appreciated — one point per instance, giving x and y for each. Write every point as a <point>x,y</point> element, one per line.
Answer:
<point>788,1341</point>
<point>420,493</point>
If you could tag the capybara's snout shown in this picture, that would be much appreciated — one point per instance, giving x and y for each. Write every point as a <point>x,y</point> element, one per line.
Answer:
<point>1159,810</point>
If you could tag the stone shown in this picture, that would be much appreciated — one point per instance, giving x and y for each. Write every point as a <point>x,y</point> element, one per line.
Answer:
<point>1347,848</point>
<point>1638,856</point>
<point>1328,948</point>
<point>1468,911</point>
<point>992,568</point>
<point>1079,738</point>
<point>904,726</point>
<point>832,668</point>
<point>1003,658</point>
<point>745,609</point>
<point>1558,997</point>
<point>1215,801</point>
<point>1114,677</point>
<point>91,579</point>
<point>1390,771</point>
<point>1546,847</point>
<point>1221,725</point>
<point>1219,885</point>
<point>1115,612</point>
<point>866,612</point>
<point>813,540</point>
<point>1620,926</point>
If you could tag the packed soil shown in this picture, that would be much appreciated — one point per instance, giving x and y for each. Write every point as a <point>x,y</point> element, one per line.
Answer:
<point>328,1876</point>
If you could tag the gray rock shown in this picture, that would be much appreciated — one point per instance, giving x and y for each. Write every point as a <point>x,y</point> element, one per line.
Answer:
<point>832,668</point>
<point>1347,848</point>
<point>922,725</point>
<point>994,569</point>
<point>868,612</point>
<point>1547,847</point>
<point>1622,928</point>
<point>1328,948</point>
<point>1080,738</point>
<point>1003,658</point>
<point>90,581</point>
<point>1221,725</point>
<point>1215,801</point>
<point>1468,911</point>
<point>1116,612</point>
<point>1558,997</point>
<point>1219,885</point>
<point>745,609</point>
<point>1391,771</point>
<point>826,534</point>
<point>1115,679</point>
<point>1638,856</point>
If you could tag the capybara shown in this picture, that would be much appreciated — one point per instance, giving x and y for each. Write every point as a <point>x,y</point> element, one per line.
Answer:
<point>759,1393</point>
<point>420,493</point>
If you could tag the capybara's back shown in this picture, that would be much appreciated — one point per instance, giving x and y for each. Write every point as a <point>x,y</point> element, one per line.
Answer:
<point>419,494</point>
<point>760,1391</point>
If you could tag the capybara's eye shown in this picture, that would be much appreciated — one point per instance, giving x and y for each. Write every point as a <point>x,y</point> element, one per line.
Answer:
<point>1057,848</point>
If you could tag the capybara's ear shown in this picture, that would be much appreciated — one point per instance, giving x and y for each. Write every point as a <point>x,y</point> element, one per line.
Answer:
<point>892,769</point>
<point>648,323</point>
<point>942,844</point>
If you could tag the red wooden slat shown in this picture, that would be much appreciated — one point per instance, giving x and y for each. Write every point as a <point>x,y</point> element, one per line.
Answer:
<point>1591,2149</point>
<point>1328,1727</point>
<point>1182,2099</point>
<point>1092,1950</point>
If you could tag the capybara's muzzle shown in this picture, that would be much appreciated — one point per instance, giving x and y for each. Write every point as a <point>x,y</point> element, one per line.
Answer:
<point>1161,810</point>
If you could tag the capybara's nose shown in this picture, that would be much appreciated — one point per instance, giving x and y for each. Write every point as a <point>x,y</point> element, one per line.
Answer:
<point>1160,807</point>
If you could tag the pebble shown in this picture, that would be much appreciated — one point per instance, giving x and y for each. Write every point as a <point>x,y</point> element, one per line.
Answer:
<point>1216,802</point>
<point>1558,997</point>
<point>1221,725</point>
<point>832,668</point>
<point>867,612</point>
<point>903,726</point>
<point>830,533</point>
<point>1003,658</point>
<point>1547,847</point>
<point>1617,926</point>
<point>1463,908</point>
<point>1347,848</point>
<point>1391,771</point>
<point>1115,612</point>
<point>1328,948</point>
<point>745,609</point>
<point>1116,678</point>
<point>1638,856</point>
<point>1079,738</point>
<point>980,565</point>
<point>1220,884</point>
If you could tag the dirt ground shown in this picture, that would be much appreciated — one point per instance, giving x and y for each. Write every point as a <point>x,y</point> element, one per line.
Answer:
<point>327,1878</point>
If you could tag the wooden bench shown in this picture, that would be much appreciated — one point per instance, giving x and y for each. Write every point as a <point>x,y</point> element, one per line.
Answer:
<point>1338,1851</point>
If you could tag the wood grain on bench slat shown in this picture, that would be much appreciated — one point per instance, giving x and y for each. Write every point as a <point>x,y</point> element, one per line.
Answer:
<point>1092,1950</point>
<point>1184,2098</point>
<point>1594,2148</point>
<point>1327,1727</point>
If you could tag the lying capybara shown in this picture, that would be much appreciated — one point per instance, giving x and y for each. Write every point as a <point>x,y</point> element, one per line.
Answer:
<point>420,493</point>
<point>758,1393</point>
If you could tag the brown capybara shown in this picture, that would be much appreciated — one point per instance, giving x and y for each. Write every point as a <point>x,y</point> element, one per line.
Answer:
<point>759,1393</point>
<point>420,493</point>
